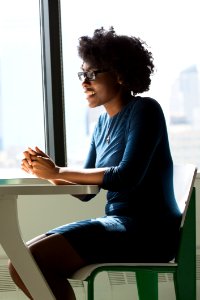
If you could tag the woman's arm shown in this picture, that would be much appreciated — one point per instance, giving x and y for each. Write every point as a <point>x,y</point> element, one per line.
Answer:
<point>145,131</point>
<point>41,165</point>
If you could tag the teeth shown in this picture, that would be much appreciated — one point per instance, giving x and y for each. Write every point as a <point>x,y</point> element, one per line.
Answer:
<point>90,93</point>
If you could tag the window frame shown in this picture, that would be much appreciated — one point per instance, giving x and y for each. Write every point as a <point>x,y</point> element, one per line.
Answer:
<point>53,81</point>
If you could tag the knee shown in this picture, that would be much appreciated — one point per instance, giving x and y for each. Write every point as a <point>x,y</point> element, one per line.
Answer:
<point>39,256</point>
<point>36,252</point>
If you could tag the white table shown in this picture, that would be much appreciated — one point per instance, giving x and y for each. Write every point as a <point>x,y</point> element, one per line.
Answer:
<point>10,235</point>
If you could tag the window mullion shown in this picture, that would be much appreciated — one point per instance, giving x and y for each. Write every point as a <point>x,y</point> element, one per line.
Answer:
<point>53,88</point>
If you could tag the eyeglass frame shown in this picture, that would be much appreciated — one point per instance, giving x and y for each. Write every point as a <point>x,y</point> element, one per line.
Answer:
<point>89,78</point>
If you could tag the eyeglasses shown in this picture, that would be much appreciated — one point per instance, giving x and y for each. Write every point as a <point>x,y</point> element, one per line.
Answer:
<point>90,75</point>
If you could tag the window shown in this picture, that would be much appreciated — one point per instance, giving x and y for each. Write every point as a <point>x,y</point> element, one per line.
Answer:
<point>170,28</point>
<point>23,119</point>
<point>21,93</point>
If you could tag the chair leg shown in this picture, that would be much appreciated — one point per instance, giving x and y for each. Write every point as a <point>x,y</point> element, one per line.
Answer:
<point>185,276</point>
<point>90,288</point>
<point>185,286</point>
<point>147,285</point>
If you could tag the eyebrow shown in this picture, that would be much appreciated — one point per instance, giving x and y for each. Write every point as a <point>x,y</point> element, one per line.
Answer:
<point>82,68</point>
<point>90,69</point>
<point>87,70</point>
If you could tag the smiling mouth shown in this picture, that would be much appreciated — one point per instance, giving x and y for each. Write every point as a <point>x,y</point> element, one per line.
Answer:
<point>89,92</point>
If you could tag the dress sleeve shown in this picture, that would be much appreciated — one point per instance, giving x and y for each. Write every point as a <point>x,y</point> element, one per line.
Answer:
<point>143,136</point>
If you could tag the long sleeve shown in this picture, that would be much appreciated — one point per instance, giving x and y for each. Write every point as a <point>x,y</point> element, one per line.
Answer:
<point>91,157</point>
<point>144,136</point>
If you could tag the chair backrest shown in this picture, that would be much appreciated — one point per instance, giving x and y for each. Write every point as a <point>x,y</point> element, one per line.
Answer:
<point>183,178</point>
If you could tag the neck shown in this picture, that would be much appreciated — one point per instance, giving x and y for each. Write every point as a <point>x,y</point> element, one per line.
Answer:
<point>116,105</point>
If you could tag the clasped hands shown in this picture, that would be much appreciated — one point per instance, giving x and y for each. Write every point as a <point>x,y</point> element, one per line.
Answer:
<point>38,163</point>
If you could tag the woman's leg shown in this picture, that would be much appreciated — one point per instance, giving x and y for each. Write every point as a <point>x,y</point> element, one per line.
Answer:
<point>57,260</point>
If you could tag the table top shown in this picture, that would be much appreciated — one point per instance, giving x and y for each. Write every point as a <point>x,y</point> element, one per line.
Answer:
<point>36,186</point>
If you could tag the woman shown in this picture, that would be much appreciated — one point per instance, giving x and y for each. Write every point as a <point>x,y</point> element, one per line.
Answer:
<point>129,156</point>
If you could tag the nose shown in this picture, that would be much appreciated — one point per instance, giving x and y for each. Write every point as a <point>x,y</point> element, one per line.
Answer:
<point>85,82</point>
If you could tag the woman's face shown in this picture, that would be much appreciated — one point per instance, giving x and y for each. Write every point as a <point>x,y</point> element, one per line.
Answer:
<point>103,90</point>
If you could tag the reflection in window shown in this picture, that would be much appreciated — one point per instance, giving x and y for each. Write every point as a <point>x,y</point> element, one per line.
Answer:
<point>184,115</point>
<point>21,99</point>
<point>171,30</point>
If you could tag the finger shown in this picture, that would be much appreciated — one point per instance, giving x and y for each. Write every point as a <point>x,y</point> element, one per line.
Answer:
<point>29,171</point>
<point>37,158</point>
<point>27,156</point>
<point>31,151</point>
<point>25,163</point>
<point>41,152</point>
<point>26,167</point>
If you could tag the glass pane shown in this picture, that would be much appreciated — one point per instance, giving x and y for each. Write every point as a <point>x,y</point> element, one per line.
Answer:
<point>21,99</point>
<point>171,29</point>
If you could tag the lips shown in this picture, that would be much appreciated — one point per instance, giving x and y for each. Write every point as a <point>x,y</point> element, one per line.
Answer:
<point>89,92</point>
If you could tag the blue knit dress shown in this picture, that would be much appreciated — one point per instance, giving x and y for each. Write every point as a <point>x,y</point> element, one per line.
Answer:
<point>142,219</point>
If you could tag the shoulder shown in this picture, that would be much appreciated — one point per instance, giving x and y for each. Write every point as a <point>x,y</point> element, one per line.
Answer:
<point>146,113</point>
<point>147,102</point>
<point>146,105</point>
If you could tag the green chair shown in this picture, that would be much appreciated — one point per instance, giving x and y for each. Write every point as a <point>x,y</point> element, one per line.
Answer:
<point>183,267</point>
